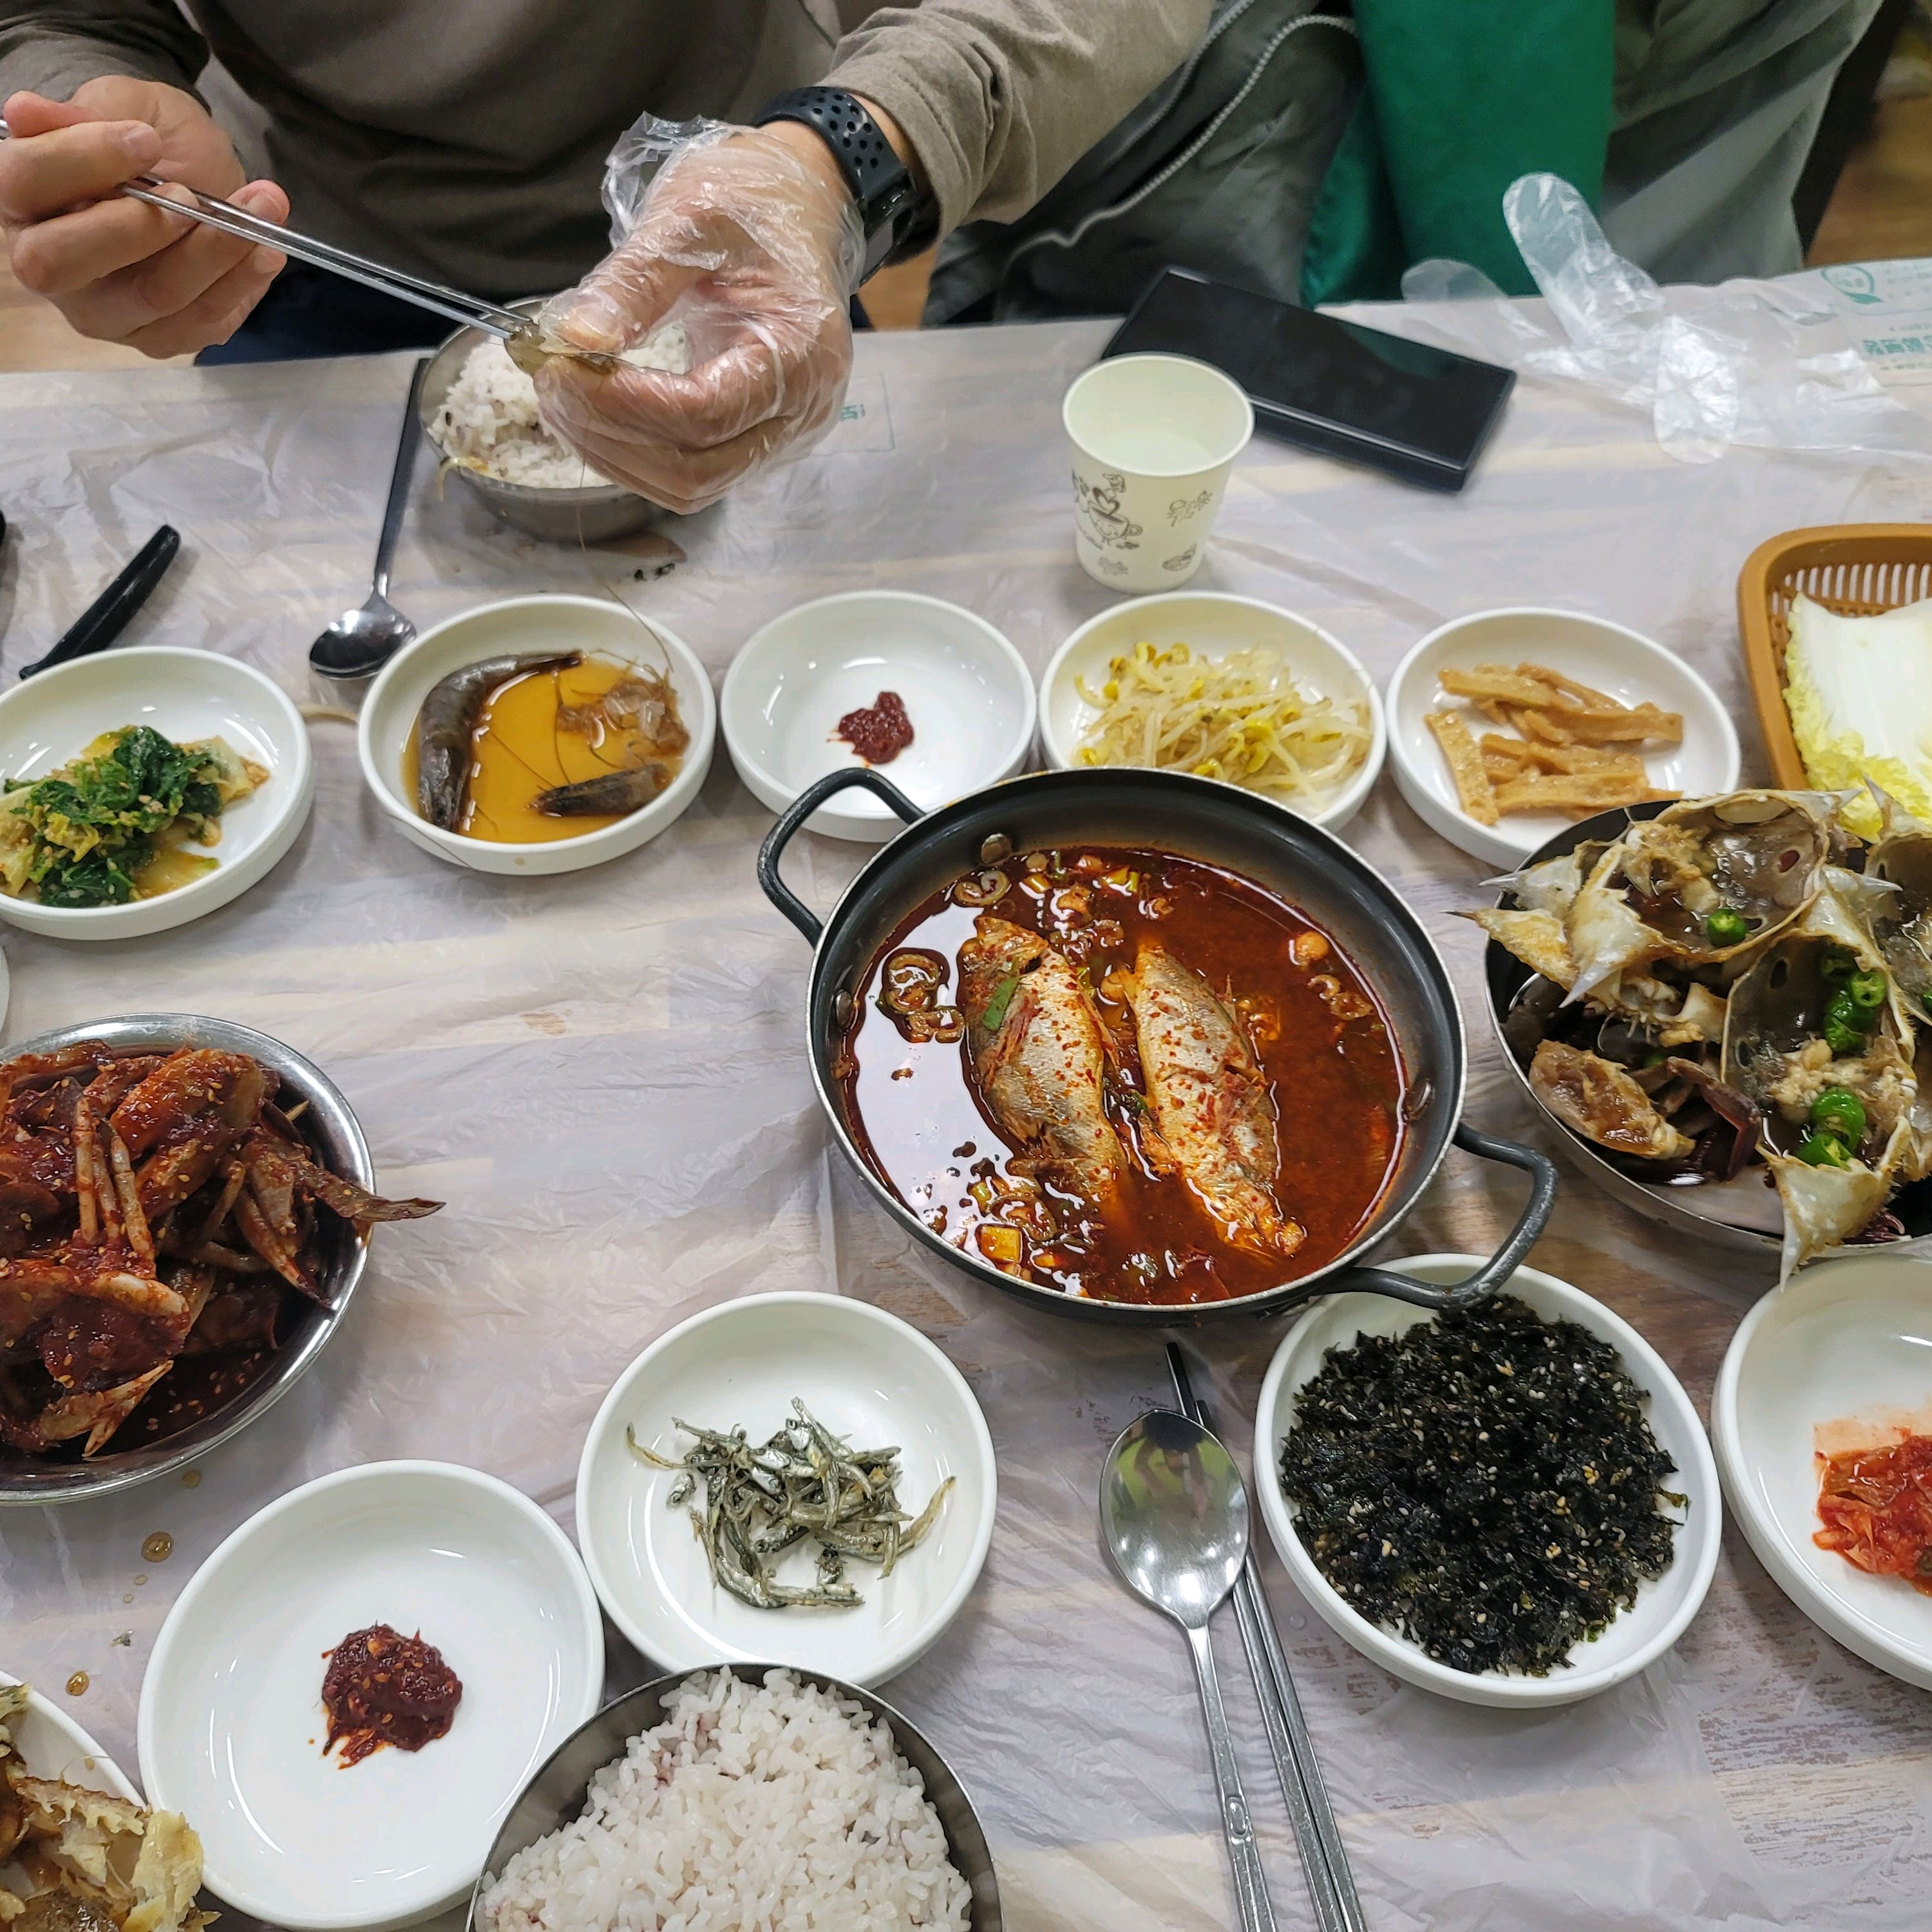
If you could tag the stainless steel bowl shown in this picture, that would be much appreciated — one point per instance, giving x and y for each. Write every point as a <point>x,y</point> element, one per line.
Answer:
<point>596,514</point>
<point>1504,977</point>
<point>331,1130</point>
<point>555,1794</point>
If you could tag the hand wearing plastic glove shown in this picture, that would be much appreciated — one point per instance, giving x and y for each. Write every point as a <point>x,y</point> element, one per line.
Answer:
<point>751,236</point>
<point>119,270</point>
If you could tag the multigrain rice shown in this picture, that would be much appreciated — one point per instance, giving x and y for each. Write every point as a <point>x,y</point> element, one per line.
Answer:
<point>488,421</point>
<point>781,1808</point>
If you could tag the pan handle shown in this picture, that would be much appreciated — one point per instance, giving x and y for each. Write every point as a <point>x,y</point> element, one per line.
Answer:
<point>795,815</point>
<point>1500,1265</point>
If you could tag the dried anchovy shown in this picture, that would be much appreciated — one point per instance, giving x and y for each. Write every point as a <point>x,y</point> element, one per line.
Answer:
<point>805,1481</point>
<point>1486,1483</point>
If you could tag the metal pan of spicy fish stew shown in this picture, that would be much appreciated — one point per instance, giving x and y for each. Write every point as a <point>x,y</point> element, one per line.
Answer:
<point>1133,1045</point>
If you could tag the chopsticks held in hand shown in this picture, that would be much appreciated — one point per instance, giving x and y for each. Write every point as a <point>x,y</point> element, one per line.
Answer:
<point>490,317</point>
<point>1325,1859</point>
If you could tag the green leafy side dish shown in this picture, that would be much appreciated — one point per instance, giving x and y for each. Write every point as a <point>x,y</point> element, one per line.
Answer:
<point>114,825</point>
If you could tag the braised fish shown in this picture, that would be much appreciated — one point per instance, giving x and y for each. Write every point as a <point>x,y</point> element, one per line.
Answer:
<point>1209,1101</point>
<point>1038,1055</point>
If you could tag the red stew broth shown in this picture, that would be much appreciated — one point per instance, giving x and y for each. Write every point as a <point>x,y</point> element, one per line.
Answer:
<point>1317,1028</point>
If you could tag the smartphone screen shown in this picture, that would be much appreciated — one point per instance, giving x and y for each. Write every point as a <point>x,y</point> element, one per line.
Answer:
<point>1417,412</point>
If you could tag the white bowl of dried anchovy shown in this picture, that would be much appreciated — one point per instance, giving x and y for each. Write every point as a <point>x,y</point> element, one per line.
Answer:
<point>695,1536</point>
<point>1550,1424</point>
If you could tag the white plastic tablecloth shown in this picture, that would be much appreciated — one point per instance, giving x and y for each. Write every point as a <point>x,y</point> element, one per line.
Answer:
<point>605,1076</point>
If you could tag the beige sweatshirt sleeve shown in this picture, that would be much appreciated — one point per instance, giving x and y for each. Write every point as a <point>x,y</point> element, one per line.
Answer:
<point>53,46</point>
<point>1000,97</point>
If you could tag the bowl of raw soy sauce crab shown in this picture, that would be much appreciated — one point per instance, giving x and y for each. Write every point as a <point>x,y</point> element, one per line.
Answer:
<point>1744,1070</point>
<point>1134,1047</point>
<point>538,736</point>
<point>190,1204</point>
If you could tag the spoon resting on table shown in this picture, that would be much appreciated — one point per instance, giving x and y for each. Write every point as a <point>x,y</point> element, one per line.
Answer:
<point>1173,1512</point>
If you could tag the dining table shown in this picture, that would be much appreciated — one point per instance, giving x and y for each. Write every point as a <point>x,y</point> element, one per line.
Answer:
<point>604,1075</point>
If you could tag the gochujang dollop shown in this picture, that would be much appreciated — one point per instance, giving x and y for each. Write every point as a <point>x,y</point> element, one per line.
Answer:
<point>383,1687</point>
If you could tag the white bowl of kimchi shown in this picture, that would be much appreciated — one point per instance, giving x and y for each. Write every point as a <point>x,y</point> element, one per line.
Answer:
<point>1226,688</point>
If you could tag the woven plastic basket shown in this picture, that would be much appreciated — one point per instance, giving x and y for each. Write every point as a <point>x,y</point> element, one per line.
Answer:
<point>1855,569</point>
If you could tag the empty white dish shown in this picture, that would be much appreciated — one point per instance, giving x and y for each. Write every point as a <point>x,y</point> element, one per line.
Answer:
<point>597,626</point>
<point>1592,650</point>
<point>967,694</point>
<point>1844,1347</point>
<point>864,1374</point>
<point>1636,1637</point>
<point>51,718</point>
<point>51,1745</point>
<point>1210,624</point>
<point>232,1726</point>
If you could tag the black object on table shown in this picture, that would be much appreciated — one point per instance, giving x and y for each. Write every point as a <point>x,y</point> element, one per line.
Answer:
<point>107,616</point>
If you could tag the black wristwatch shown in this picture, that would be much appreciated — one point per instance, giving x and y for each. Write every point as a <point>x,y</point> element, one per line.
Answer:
<point>898,220</point>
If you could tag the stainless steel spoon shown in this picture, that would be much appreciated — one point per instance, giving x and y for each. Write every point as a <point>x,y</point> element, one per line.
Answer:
<point>360,641</point>
<point>1174,1515</point>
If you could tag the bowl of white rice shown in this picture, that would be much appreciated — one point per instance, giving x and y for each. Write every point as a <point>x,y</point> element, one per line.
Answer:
<point>480,411</point>
<point>754,1795</point>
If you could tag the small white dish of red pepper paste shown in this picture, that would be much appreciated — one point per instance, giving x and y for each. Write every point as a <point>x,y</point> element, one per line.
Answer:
<point>456,1633</point>
<point>927,695</point>
<point>1827,1387</point>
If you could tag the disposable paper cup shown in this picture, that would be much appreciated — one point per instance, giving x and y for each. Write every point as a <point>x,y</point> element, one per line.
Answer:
<point>1153,439</point>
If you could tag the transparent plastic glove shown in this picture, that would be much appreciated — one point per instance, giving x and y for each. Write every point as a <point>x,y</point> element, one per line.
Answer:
<point>750,241</point>
<point>1767,363</point>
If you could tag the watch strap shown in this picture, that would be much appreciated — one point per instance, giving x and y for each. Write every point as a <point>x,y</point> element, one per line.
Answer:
<point>887,198</point>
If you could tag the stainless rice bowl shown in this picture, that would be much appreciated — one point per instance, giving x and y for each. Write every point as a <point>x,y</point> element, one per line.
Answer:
<point>834,1826</point>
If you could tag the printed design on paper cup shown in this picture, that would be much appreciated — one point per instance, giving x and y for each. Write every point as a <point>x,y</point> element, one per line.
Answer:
<point>1096,507</point>
<point>1182,507</point>
<point>1112,566</point>
<point>1181,562</point>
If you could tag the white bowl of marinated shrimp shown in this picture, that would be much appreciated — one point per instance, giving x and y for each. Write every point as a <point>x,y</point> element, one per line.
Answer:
<point>625,704</point>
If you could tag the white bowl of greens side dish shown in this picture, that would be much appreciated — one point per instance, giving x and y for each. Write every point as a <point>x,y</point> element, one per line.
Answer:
<point>1227,687</point>
<point>911,1528</point>
<point>1488,1486</point>
<point>145,787</point>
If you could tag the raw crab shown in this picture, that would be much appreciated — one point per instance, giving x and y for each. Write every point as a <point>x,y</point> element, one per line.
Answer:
<point>97,1863</point>
<point>1757,856</point>
<point>147,1201</point>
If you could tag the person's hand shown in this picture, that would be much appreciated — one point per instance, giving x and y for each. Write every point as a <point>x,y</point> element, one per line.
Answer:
<point>118,269</point>
<point>755,242</point>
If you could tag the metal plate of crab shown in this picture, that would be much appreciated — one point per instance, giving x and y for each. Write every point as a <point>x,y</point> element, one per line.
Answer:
<point>1730,1045</point>
<point>334,1135</point>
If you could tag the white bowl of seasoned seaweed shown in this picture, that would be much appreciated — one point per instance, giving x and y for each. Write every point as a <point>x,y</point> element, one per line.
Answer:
<point>1463,1559</point>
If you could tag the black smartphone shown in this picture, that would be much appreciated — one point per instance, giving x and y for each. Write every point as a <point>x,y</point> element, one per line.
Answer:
<point>1416,413</point>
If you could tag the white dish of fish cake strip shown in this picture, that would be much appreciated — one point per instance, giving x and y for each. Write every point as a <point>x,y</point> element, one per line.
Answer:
<point>598,627</point>
<point>1606,656</point>
<point>232,1725</point>
<point>1634,1639</point>
<point>1212,624</point>
<point>865,1376</point>
<point>1839,1358</point>
<point>967,694</point>
<point>52,718</point>
<point>51,1745</point>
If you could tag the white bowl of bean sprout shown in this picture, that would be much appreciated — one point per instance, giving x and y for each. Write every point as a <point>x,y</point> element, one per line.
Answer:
<point>1227,687</point>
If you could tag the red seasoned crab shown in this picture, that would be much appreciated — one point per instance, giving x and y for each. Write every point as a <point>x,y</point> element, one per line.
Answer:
<point>152,1205</point>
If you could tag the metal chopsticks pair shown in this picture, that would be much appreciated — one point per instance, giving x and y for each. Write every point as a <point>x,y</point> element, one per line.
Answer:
<point>471,311</point>
<point>1331,1886</point>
